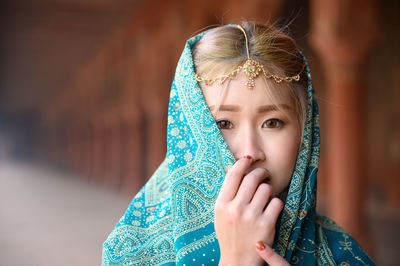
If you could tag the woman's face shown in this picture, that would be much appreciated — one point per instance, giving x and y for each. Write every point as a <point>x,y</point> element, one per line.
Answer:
<point>252,125</point>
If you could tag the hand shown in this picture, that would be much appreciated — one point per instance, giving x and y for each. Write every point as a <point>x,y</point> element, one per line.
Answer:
<point>243,215</point>
<point>269,255</point>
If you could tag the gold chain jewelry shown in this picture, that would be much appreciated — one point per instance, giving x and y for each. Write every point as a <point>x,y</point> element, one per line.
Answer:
<point>251,68</point>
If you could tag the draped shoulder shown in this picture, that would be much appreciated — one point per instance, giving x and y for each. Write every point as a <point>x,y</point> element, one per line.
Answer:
<point>343,247</point>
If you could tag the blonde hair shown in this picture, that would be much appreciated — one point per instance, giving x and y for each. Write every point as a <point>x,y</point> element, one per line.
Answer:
<point>223,49</point>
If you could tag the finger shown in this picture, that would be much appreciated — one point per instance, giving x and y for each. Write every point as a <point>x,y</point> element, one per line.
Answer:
<point>233,178</point>
<point>269,255</point>
<point>261,197</point>
<point>272,211</point>
<point>250,184</point>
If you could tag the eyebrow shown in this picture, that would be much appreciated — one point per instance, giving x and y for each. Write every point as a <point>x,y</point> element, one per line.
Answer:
<point>269,108</point>
<point>229,108</point>
<point>260,109</point>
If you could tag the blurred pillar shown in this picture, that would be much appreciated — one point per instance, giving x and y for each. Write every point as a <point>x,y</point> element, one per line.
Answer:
<point>343,33</point>
<point>70,146</point>
<point>132,120</point>
<point>154,100</point>
<point>98,150</point>
<point>87,149</point>
<point>132,161</point>
<point>79,149</point>
<point>113,150</point>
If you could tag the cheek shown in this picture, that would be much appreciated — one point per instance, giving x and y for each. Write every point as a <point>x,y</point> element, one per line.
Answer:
<point>283,145</point>
<point>281,156</point>
<point>231,140</point>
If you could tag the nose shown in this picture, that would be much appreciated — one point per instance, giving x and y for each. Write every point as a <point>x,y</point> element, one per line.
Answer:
<point>250,143</point>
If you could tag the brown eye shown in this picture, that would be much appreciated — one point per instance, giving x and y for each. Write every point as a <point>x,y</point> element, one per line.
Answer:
<point>224,124</point>
<point>273,123</point>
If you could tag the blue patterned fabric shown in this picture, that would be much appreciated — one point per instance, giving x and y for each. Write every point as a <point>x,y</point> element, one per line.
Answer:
<point>170,221</point>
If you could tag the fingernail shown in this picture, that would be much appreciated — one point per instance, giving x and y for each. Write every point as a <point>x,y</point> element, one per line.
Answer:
<point>260,245</point>
<point>248,157</point>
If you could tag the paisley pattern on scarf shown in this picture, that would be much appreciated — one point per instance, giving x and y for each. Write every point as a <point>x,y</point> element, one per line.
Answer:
<point>170,220</point>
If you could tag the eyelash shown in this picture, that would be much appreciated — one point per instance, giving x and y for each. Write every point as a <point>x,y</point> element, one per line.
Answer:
<point>222,121</point>
<point>280,123</point>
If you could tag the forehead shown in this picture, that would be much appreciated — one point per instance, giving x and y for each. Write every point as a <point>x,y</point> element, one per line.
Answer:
<point>265,92</point>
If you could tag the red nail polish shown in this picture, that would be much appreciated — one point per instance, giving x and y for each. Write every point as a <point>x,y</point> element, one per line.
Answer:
<point>260,245</point>
<point>248,157</point>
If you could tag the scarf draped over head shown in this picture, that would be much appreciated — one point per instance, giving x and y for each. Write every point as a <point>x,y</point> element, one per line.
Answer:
<point>170,220</point>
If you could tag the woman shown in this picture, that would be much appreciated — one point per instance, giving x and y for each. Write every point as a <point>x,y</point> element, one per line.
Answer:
<point>240,172</point>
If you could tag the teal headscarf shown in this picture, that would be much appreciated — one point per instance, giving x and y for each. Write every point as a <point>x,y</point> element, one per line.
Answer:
<point>170,221</point>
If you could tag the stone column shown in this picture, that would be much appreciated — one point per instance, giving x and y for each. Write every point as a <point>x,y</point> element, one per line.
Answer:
<point>343,33</point>
<point>132,121</point>
<point>154,102</point>
<point>87,149</point>
<point>113,150</point>
<point>98,150</point>
<point>133,156</point>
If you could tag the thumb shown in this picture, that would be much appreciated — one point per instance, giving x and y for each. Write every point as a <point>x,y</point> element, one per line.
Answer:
<point>269,255</point>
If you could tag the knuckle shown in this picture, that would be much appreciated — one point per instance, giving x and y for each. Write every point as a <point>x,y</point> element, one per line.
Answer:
<point>277,203</point>
<point>268,227</point>
<point>251,177</point>
<point>219,207</point>
<point>233,212</point>
<point>232,173</point>
<point>265,187</point>
<point>262,172</point>
<point>248,216</point>
<point>257,175</point>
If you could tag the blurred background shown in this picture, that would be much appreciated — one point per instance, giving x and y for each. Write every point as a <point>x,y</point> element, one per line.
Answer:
<point>84,89</point>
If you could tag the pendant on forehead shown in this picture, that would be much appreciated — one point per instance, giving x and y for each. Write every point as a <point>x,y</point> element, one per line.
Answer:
<point>252,69</point>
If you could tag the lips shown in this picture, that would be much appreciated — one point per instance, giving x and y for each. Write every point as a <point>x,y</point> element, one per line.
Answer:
<point>266,180</point>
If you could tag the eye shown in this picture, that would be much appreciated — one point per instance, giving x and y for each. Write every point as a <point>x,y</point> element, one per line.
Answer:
<point>224,124</point>
<point>273,123</point>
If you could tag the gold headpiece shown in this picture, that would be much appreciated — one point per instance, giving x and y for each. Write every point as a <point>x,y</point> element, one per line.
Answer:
<point>251,68</point>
